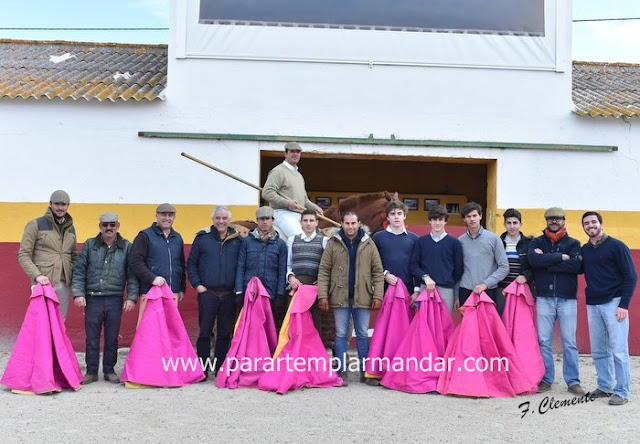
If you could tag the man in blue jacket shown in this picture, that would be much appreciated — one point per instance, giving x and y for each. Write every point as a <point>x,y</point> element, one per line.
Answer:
<point>611,278</point>
<point>212,272</point>
<point>556,261</point>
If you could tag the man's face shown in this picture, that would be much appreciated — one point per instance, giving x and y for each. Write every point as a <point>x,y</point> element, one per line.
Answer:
<point>292,157</point>
<point>555,223</point>
<point>59,209</point>
<point>396,218</point>
<point>472,219</point>
<point>265,223</point>
<point>351,225</point>
<point>592,226</point>
<point>437,225</point>
<point>512,224</point>
<point>109,229</point>
<point>165,220</point>
<point>309,224</point>
<point>221,221</point>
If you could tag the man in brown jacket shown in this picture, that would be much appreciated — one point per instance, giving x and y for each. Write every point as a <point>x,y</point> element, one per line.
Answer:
<point>350,281</point>
<point>48,249</point>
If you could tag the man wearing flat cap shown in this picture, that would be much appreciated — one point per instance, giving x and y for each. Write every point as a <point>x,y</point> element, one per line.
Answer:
<point>48,248</point>
<point>99,280</point>
<point>556,260</point>
<point>285,191</point>
<point>157,256</point>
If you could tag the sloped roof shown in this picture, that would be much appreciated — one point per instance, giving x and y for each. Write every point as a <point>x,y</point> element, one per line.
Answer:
<point>606,89</point>
<point>70,70</point>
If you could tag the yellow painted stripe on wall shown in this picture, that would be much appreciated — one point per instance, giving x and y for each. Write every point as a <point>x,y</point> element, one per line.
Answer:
<point>133,217</point>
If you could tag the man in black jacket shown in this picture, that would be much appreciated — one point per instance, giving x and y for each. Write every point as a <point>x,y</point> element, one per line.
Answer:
<point>212,272</point>
<point>556,261</point>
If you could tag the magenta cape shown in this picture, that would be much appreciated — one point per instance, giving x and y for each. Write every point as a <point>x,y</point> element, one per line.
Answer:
<point>161,353</point>
<point>253,343</point>
<point>391,326</point>
<point>518,320</point>
<point>42,360</point>
<point>303,361</point>
<point>418,361</point>
<point>477,344</point>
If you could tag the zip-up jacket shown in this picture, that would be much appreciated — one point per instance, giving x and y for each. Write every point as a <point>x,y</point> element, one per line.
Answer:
<point>553,276</point>
<point>266,260</point>
<point>212,261</point>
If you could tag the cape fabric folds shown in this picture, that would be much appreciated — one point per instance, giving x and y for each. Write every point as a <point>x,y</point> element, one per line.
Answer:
<point>391,326</point>
<point>418,361</point>
<point>253,343</point>
<point>42,360</point>
<point>300,359</point>
<point>161,354</point>
<point>476,347</point>
<point>518,320</point>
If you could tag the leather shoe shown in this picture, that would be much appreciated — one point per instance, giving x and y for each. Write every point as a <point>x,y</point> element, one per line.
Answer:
<point>89,378</point>
<point>576,390</point>
<point>345,380</point>
<point>617,400</point>
<point>597,393</point>
<point>373,382</point>
<point>111,377</point>
<point>544,387</point>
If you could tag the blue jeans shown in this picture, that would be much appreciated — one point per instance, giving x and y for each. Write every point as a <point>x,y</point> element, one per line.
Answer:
<point>566,312</point>
<point>361,323</point>
<point>610,348</point>
<point>101,310</point>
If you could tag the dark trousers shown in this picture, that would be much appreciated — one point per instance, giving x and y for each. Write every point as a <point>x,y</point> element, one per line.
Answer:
<point>464,294</point>
<point>107,311</point>
<point>212,306</point>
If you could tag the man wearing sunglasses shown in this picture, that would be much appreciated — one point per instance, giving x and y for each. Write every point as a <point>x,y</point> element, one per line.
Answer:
<point>99,280</point>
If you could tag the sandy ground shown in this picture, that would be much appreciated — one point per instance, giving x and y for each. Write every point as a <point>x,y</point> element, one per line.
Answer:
<point>102,412</point>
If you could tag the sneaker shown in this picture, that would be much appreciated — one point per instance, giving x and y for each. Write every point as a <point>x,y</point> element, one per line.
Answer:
<point>576,390</point>
<point>544,387</point>
<point>345,380</point>
<point>373,382</point>
<point>111,377</point>
<point>617,400</point>
<point>597,393</point>
<point>89,378</point>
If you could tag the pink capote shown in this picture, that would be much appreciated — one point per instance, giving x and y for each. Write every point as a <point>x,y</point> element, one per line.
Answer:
<point>303,350</point>
<point>391,326</point>
<point>481,334</point>
<point>253,343</point>
<point>518,320</point>
<point>160,342</point>
<point>42,360</point>
<point>425,343</point>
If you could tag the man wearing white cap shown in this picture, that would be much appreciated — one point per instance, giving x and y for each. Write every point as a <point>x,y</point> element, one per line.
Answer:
<point>285,191</point>
<point>48,248</point>
<point>99,280</point>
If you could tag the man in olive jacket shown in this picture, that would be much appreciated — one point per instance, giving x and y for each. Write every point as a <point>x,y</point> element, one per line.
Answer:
<point>48,249</point>
<point>350,281</point>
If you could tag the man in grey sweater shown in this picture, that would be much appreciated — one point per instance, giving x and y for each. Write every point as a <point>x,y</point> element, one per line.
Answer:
<point>485,261</point>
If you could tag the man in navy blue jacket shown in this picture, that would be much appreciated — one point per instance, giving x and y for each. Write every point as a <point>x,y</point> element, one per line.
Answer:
<point>611,278</point>
<point>556,261</point>
<point>212,272</point>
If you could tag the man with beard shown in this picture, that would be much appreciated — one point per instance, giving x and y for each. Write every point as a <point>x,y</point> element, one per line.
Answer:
<point>556,261</point>
<point>611,278</point>
<point>48,250</point>
<point>99,280</point>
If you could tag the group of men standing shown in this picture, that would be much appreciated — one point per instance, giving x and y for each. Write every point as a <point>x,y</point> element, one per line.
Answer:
<point>350,268</point>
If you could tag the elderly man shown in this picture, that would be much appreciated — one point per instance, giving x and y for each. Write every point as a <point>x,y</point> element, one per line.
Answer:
<point>611,278</point>
<point>157,256</point>
<point>48,248</point>
<point>350,281</point>
<point>556,261</point>
<point>212,272</point>
<point>285,191</point>
<point>99,280</point>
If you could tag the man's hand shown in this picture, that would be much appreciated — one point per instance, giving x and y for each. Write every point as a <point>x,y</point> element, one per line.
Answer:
<point>43,280</point>
<point>158,281</point>
<point>391,279</point>
<point>80,301</point>
<point>128,305</point>
<point>414,296</point>
<point>292,205</point>
<point>295,283</point>
<point>621,314</point>
<point>537,251</point>
<point>323,304</point>
<point>521,280</point>
<point>319,211</point>
<point>456,305</point>
<point>430,283</point>
<point>180,296</point>
<point>479,288</point>
<point>376,304</point>
<point>201,289</point>
<point>565,257</point>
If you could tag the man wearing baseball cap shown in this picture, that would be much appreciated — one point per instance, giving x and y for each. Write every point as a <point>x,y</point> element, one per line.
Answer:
<point>48,250</point>
<point>556,260</point>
